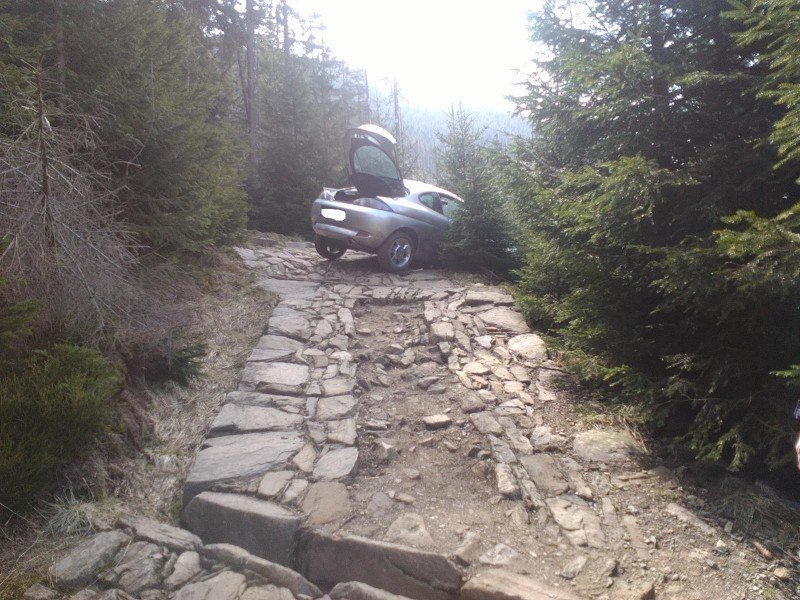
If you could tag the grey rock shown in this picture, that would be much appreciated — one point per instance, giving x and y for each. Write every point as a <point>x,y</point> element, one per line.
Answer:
<point>409,528</point>
<point>342,432</point>
<point>338,386</point>
<point>186,568</point>
<point>294,491</point>
<point>79,566</point>
<point>138,568</point>
<point>289,323</point>
<point>355,590</point>
<point>580,524</point>
<point>505,319</point>
<point>543,470</point>
<point>337,463</point>
<point>272,484</point>
<point>274,347</point>
<point>469,549</point>
<point>506,482</point>
<point>260,527</point>
<point>325,501</point>
<point>442,331</point>
<point>500,584</point>
<point>336,407</point>
<point>486,423</point>
<point>266,592</point>
<point>304,460</point>
<point>328,560</point>
<point>500,555</point>
<point>250,398</point>
<point>605,445</point>
<point>476,296</point>
<point>235,418</point>
<point>543,439</point>
<point>239,456</point>
<point>529,347</point>
<point>437,421</point>
<point>476,368</point>
<point>162,534</point>
<point>289,288</point>
<point>471,403</point>
<point>223,586</point>
<point>280,576</point>
<point>574,567</point>
<point>501,451</point>
<point>275,377</point>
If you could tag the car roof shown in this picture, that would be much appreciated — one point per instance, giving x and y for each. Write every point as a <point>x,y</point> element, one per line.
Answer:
<point>419,187</point>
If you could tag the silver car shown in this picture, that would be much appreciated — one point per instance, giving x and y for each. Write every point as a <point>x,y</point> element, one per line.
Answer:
<point>397,219</point>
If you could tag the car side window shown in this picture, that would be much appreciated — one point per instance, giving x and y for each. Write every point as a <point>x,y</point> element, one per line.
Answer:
<point>431,200</point>
<point>449,206</point>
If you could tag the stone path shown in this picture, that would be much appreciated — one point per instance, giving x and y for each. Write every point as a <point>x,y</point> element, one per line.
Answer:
<point>375,406</point>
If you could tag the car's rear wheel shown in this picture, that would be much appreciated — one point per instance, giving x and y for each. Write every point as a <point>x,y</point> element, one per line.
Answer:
<point>329,248</point>
<point>397,252</point>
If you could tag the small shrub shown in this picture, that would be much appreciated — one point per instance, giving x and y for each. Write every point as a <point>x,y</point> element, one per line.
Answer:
<point>50,413</point>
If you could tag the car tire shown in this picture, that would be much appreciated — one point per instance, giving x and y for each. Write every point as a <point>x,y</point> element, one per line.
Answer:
<point>397,253</point>
<point>329,248</point>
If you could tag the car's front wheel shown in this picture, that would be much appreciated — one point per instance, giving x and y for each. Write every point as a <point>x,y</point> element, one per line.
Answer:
<point>397,252</point>
<point>329,248</point>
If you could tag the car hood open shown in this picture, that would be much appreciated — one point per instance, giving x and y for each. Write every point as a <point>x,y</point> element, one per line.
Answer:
<point>371,162</point>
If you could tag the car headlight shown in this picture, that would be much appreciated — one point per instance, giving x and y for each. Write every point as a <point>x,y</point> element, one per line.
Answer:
<point>373,203</point>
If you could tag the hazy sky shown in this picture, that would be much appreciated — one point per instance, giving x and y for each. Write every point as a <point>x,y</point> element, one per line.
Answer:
<point>440,51</point>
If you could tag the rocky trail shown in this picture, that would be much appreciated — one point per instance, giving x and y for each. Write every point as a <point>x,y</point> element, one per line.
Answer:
<point>410,436</point>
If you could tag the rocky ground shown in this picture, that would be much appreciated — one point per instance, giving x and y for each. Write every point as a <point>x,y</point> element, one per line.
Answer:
<point>412,434</point>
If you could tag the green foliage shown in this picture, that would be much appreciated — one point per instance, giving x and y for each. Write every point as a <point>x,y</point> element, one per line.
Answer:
<point>51,411</point>
<point>660,240</point>
<point>478,237</point>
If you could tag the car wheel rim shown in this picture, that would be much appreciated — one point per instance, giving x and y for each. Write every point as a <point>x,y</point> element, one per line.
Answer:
<point>400,252</point>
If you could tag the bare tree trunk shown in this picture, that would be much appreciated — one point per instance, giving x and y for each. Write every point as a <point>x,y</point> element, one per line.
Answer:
<point>287,41</point>
<point>251,104</point>
<point>61,56</point>
<point>41,124</point>
<point>368,110</point>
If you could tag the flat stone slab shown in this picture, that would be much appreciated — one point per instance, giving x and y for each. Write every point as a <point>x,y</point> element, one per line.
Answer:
<point>224,586</point>
<point>529,347</point>
<point>505,319</point>
<point>289,288</point>
<point>162,534</point>
<point>486,423</point>
<point>336,407</point>
<point>338,386</point>
<point>577,520</point>
<point>291,323</point>
<point>327,560</point>
<point>500,584</point>
<point>355,590</point>
<point>337,463</point>
<point>325,501</point>
<point>260,527</point>
<point>409,528</point>
<point>476,296</point>
<point>605,445</point>
<point>240,456</point>
<point>342,432</point>
<point>543,470</point>
<point>79,566</point>
<point>241,560</point>
<point>442,331</point>
<point>236,418</point>
<point>274,347</point>
<point>274,378</point>
<point>246,398</point>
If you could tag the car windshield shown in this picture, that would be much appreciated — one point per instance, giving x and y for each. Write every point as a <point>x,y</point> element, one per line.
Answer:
<point>373,161</point>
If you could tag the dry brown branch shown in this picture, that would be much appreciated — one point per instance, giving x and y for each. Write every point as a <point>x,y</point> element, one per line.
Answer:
<point>68,249</point>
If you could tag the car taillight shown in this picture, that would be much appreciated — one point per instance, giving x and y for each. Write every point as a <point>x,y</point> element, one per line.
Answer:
<point>373,203</point>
